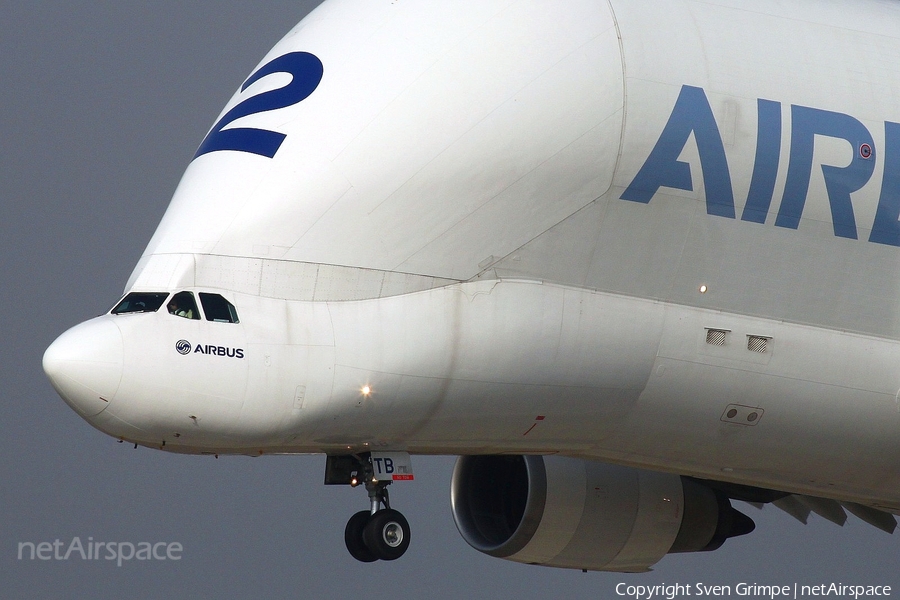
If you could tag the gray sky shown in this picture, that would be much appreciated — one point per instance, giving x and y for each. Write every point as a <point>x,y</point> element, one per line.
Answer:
<point>103,105</point>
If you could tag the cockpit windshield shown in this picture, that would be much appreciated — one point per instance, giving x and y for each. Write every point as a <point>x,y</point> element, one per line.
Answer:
<point>182,305</point>
<point>216,308</point>
<point>137,302</point>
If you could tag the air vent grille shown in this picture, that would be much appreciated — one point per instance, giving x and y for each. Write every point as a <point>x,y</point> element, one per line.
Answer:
<point>758,343</point>
<point>716,337</point>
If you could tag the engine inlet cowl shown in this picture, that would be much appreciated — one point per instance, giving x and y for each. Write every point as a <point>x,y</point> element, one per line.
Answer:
<point>566,512</point>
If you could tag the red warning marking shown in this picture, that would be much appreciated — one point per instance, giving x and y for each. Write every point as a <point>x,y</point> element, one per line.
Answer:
<point>533,425</point>
<point>403,477</point>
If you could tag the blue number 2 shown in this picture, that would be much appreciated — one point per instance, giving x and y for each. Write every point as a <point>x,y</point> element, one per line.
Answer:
<point>306,70</point>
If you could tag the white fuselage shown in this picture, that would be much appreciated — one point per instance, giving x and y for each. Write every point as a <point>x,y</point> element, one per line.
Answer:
<point>459,221</point>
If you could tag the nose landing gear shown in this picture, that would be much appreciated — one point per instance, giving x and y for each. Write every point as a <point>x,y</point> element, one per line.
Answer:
<point>374,534</point>
<point>377,534</point>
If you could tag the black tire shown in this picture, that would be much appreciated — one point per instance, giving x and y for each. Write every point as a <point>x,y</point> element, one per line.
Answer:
<point>353,537</point>
<point>387,534</point>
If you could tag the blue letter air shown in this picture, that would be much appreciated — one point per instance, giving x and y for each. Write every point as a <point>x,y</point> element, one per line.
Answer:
<point>692,114</point>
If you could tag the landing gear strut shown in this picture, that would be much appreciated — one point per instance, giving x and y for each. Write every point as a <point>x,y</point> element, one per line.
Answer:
<point>380,533</point>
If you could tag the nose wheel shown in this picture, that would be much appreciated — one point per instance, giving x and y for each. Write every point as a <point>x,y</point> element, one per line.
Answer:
<point>380,536</point>
<point>353,537</point>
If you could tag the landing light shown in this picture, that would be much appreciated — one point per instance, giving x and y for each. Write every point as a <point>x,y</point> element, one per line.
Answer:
<point>366,390</point>
<point>703,289</point>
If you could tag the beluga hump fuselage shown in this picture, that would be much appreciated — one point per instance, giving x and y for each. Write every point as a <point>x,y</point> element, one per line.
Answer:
<point>634,236</point>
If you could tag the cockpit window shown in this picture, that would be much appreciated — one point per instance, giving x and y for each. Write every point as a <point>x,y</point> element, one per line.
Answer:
<point>216,308</point>
<point>136,302</point>
<point>182,305</point>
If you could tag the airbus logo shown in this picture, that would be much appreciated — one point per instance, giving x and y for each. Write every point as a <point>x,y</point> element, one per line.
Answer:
<point>692,114</point>
<point>219,351</point>
<point>184,347</point>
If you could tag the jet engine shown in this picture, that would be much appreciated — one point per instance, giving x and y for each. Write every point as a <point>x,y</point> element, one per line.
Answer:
<point>578,514</point>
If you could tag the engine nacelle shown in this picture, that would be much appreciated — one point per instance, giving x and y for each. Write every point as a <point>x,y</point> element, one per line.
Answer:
<point>572,513</point>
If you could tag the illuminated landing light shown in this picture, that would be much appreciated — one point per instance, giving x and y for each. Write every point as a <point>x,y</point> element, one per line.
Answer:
<point>703,289</point>
<point>366,390</point>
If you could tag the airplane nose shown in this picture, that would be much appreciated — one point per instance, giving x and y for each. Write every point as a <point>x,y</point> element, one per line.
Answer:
<point>84,365</point>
